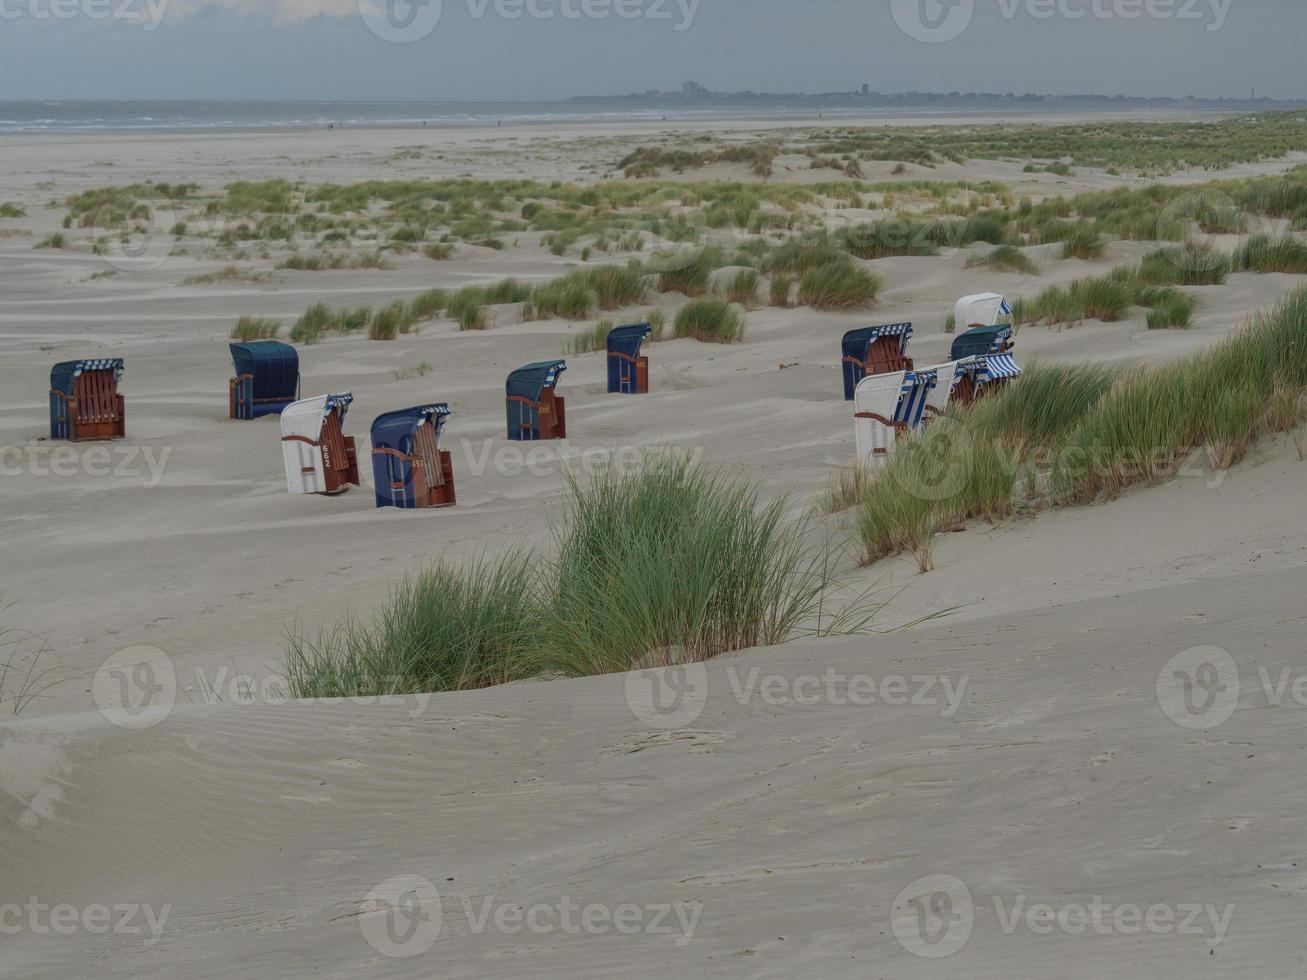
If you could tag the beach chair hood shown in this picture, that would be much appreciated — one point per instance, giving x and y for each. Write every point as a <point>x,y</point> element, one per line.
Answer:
<point>62,376</point>
<point>531,381</point>
<point>628,339</point>
<point>304,418</point>
<point>275,367</point>
<point>980,309</point>
<point>980,341</point>
<point>396,430</point>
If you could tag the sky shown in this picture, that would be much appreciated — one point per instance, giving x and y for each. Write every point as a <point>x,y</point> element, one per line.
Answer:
<point>469,50</point>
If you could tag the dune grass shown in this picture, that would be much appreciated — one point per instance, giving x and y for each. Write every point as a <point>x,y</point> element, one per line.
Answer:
<point>710,320</point>
<point>448,628</point>
<point>780,292</point>
<point>1261,253</point>
<point>1004,258</point>
<point>255,328</point>
<point>742,288</point>
<point>674,565</point>
<point>1062,435</point>
<point>11,210</point>
<point>839,285</point>
<point>663,564</point>
<point>886,238</point>
<point>588,340</point>
<point>1174,311</point>
<point>1083,242</point>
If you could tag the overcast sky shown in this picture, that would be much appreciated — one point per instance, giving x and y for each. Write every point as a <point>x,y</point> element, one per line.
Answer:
<point>552,49</point>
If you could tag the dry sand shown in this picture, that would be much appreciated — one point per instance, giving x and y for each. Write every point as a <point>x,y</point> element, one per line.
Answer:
<point>1058,777</point>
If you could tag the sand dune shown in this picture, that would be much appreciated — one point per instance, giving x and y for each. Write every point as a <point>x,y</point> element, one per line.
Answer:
<point>769,838</point>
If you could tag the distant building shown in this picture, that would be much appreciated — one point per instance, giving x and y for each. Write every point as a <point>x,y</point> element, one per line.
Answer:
<point>866,88</point>
<point>694,92</point>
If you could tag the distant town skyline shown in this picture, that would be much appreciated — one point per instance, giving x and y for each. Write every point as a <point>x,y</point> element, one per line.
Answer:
<point>555,49</point>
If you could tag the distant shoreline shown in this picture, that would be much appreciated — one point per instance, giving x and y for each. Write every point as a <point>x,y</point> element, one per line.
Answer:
<point>200,118</point>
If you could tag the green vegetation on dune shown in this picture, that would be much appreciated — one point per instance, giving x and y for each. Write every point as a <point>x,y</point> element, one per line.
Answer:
<point>668,564</point>
<point>1062,435</point>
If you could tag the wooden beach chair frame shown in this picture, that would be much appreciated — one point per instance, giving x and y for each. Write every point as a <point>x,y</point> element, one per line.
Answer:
<point>84,402</point>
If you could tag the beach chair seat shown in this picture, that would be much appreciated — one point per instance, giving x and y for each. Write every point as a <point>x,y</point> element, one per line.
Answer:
<point>874,350</point>
<point>877,425</point>
<point>948,378</point>
<point>267,379</point>
<point>980,310</point>
<point>984,375</point>
<point>319,457</point>
<point>409,468</point>
<point>84,400</point>
<point>628,372</point>
<point>535,410</point>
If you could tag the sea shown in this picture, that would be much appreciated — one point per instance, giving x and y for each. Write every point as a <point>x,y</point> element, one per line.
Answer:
<point>59,116</point>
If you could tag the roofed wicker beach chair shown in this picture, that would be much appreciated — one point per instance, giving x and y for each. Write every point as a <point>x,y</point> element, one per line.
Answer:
<point>947,378</point>
<point>874,350</point>
<point>409,468</point>
<point>319,457</point>
<point>980,310</point>
<point>267,379</point>
<point>982,375</point>
<point>84,400</point>
<point>534,409</point>
<point>876,416</point>
<point>983,340</point>
<point>628,372</point>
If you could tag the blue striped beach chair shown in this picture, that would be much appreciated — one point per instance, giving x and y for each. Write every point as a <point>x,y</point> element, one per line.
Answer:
<point>409,469</point>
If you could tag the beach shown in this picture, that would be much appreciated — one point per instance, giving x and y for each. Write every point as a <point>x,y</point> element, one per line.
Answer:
<point>771,836</point>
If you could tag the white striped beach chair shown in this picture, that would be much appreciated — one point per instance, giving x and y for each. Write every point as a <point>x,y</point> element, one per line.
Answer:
<point>876,405</point>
